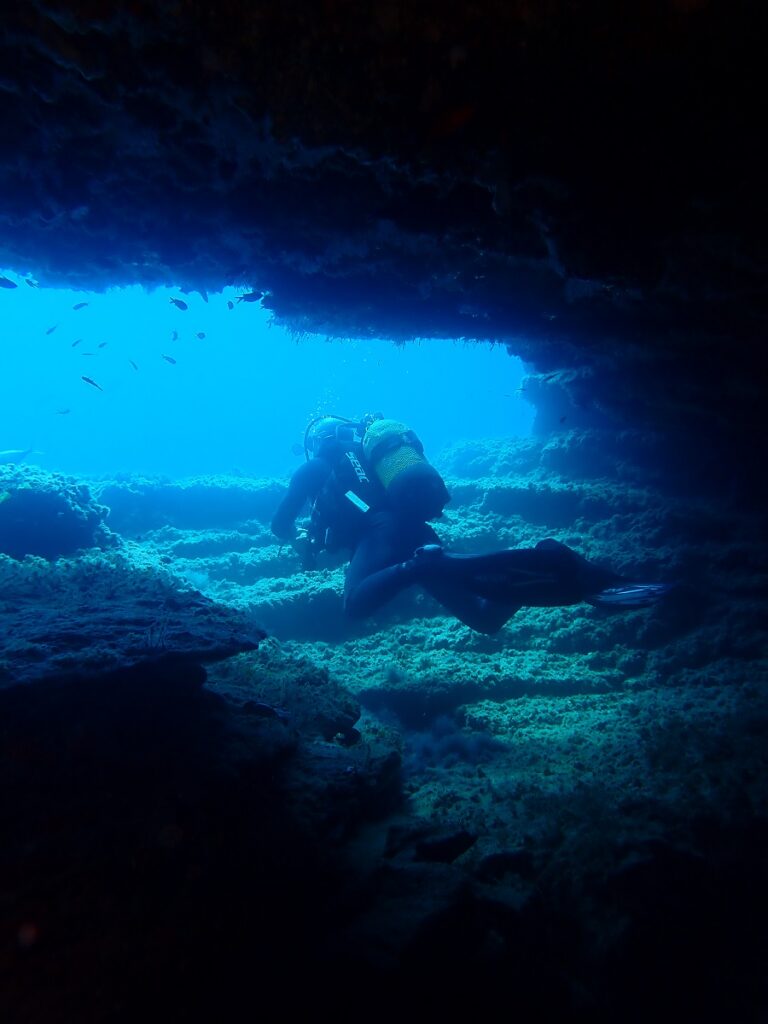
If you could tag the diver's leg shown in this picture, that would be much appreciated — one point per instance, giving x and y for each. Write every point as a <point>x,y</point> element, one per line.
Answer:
<point>548,575</point>
<point>483,591</point>
<point>373,578</point>
<point>383,564</point>
<point>479,613</point>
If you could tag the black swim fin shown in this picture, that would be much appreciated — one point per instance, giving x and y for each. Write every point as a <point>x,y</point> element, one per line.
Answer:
<point>630,595</point>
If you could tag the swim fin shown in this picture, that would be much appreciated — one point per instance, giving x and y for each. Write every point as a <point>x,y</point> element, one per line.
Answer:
<point>630,595</point>
<point>428,552</point>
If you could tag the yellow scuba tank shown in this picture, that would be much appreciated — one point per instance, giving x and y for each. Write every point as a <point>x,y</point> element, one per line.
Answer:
<point>412,485</point>
<point>390,447</point>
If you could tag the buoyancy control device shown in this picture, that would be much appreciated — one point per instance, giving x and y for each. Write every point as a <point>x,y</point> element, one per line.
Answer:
<point>338,513</point>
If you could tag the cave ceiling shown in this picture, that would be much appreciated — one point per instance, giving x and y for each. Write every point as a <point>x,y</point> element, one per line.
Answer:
<point>582,181</point>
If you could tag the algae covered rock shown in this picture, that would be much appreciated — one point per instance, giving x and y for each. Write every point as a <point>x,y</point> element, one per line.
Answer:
<point>104,612</point>
<point>47,514</point>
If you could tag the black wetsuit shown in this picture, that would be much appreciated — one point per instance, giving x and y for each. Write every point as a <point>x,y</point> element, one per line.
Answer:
<point>482,591</point>
<point>304,486</point>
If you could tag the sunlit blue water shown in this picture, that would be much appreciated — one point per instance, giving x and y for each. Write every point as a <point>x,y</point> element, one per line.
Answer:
<point>236,400</point>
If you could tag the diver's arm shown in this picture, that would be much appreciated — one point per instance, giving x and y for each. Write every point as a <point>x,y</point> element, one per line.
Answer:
<point>303,486</point>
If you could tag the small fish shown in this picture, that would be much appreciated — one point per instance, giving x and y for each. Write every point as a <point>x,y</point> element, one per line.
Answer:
<point>51,329</point>
<point>5,283</point>
<point>169,359</point>
<point>133,364</point>
<point>92,383</point>
<point>563,419</point>
<point>297,449</point>
<point>102,344</point>
<point>31,282</point>
<point>230,304</point>
<point>62,412</point>
<point>80,305</point>
<point>174,335</point>
<point>76,343</point>
<point>200,334</point>
<point>17,455</point>
<point>179,303</point>
<point>250,297</point>
<point>203,294</point>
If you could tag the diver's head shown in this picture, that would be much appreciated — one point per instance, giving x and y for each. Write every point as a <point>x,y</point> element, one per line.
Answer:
<point>329,435</point>
<point>368,419</point>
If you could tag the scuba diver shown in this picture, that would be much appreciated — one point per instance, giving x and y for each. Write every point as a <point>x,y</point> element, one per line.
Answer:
<point>372,492</point>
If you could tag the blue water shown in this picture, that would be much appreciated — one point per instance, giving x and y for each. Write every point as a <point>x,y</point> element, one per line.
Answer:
<point>237,400</point>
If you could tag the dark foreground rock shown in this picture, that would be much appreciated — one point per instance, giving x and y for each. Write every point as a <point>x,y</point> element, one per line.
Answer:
<point>168,849</point>
<point>177,850</point>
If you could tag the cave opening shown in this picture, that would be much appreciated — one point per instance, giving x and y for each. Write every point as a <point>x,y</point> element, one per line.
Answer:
<point>181,383</point>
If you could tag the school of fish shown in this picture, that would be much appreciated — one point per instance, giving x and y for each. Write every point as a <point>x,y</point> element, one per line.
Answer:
<point>180,304</point>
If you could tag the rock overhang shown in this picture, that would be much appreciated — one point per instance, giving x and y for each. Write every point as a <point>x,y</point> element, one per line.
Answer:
<point>583,184</point>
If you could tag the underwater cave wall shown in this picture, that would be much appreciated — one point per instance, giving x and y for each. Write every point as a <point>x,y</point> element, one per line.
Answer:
<point>585,183</point>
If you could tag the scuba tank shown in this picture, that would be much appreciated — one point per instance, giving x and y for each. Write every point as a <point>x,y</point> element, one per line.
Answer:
<point>413,487</point>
